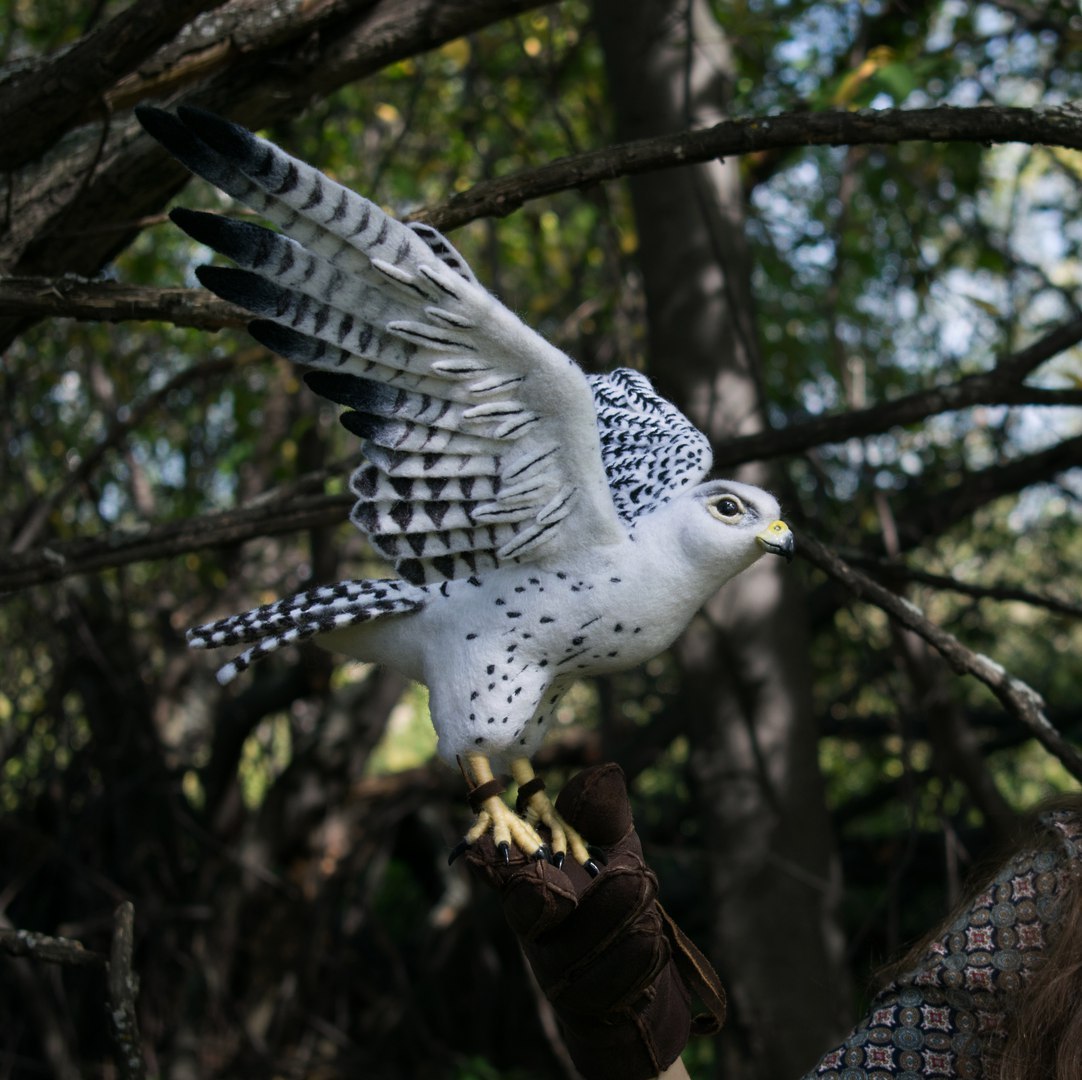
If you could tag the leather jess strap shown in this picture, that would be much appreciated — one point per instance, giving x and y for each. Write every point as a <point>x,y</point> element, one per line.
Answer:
<point>482,792</point>
<point>526,790</point>
<point>700,976</point>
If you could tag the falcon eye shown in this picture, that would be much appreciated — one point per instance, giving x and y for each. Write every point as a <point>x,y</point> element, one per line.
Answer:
<point>727,508</point>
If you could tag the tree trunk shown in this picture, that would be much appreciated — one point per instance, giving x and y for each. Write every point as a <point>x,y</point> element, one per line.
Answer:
<point>745,694</point>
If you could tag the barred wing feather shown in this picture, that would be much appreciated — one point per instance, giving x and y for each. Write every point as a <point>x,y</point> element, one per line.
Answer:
<point>649,448</point>
<point>481,439</point>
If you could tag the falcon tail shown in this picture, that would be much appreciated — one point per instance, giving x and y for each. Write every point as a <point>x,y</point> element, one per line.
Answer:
<point>317,611</point>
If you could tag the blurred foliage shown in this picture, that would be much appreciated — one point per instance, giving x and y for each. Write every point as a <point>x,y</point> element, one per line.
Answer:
<point>877,271</point>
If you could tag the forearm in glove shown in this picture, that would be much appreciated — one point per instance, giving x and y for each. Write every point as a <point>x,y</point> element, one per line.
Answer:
<point>616,968</point>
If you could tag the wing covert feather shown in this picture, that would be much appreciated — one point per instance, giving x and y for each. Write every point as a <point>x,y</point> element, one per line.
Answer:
<point>649,448</point>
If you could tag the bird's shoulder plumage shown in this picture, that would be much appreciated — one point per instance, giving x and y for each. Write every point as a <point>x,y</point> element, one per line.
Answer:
<point>650,450</point>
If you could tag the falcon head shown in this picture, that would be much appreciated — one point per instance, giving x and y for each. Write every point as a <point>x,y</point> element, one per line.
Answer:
<point>730,525</point>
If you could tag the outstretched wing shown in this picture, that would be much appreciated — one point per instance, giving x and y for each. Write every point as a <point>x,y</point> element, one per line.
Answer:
<point>649,448</point>
<point>481,438</point>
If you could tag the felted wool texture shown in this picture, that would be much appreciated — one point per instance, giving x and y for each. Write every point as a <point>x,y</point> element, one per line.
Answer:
<point>544,525</point>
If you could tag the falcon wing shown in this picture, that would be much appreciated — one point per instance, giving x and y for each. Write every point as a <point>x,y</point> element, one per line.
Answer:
<point>481,438</point>
<point>649,448</point>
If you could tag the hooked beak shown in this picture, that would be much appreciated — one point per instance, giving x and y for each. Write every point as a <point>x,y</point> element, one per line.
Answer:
<point>778,539</point>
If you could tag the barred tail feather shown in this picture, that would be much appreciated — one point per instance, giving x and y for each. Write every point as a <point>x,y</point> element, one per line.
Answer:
<point>228,672</point>
<point>317,611</point>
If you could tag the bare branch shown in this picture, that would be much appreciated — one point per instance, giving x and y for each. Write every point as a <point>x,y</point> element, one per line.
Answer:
<point>929,515</point>
<point>748,135</point>
<point>1019,699</point>
<point>73,297</point>
<point>34,518</point>
<point>898,572</point>
<point>173,538</point>
<point>58,91</point>
<point>53,950</point>
<point>123,983</point>
<point>123,988</point>
<point>999,386</point>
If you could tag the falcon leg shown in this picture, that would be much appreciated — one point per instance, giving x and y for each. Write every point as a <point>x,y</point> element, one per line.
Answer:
<point>539,807</point>
<point>493,813</point>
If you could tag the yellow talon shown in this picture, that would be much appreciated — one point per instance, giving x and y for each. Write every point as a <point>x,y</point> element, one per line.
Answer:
<point>507,827</point>
<point>540,808</point>
<point>480,827</point>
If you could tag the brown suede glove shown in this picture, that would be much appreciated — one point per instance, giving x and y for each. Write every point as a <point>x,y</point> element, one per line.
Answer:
<point>616,968</point>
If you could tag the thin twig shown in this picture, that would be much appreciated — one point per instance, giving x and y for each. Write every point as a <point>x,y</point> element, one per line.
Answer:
<point>35,519</point>
<point>1019,699</point>
<point>1003,593</point>
<point>1000,385</point>
<point>61,560</point>
<point>123,984</point>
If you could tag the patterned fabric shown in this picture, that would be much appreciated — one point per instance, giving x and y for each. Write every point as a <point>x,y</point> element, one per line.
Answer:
<point>942,1018</point>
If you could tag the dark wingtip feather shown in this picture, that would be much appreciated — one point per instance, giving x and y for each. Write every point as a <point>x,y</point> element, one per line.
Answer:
<point>169,131</point>
<point>151,117</point>
<point>287,342</point>
<point>327,384</point>
<point>197,224</point>
<point>351,390</point>
<point>223,135</point>
<point>184,144</point>
<point>362,424</point>
<point>242,241</point>
<point>241,287</point>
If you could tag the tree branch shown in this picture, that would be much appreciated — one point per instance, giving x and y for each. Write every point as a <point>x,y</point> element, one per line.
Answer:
<point>123,988</point>
<point>1019,699</point>
<point>72,297</point>
<point>932,515</point>
<point>1060,126</point>
<point>999,386</point>
<point>53,950</point>
<point>173,538</point>
<point>898,572</point>
<point>58,91</point>
<point>123,984</point>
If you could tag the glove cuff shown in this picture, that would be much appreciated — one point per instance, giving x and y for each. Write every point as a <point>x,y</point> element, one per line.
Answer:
<point>637,1042</point>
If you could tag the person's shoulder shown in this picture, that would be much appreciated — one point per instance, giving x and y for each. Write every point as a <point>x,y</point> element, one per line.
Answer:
<point>1061,821</point>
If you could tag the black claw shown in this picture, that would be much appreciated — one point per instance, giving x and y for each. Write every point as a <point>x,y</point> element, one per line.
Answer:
<point>542,854</point>
<point>457,850</point>
<point>592,868</point>
<point>504,849</point>
<point>598,855</point>
<point>558,860</point>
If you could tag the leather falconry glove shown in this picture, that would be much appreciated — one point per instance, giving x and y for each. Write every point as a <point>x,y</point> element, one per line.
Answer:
<point>618,971</point>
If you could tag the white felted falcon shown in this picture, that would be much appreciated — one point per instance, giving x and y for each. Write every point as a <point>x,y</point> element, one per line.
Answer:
<point>545,524</point>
